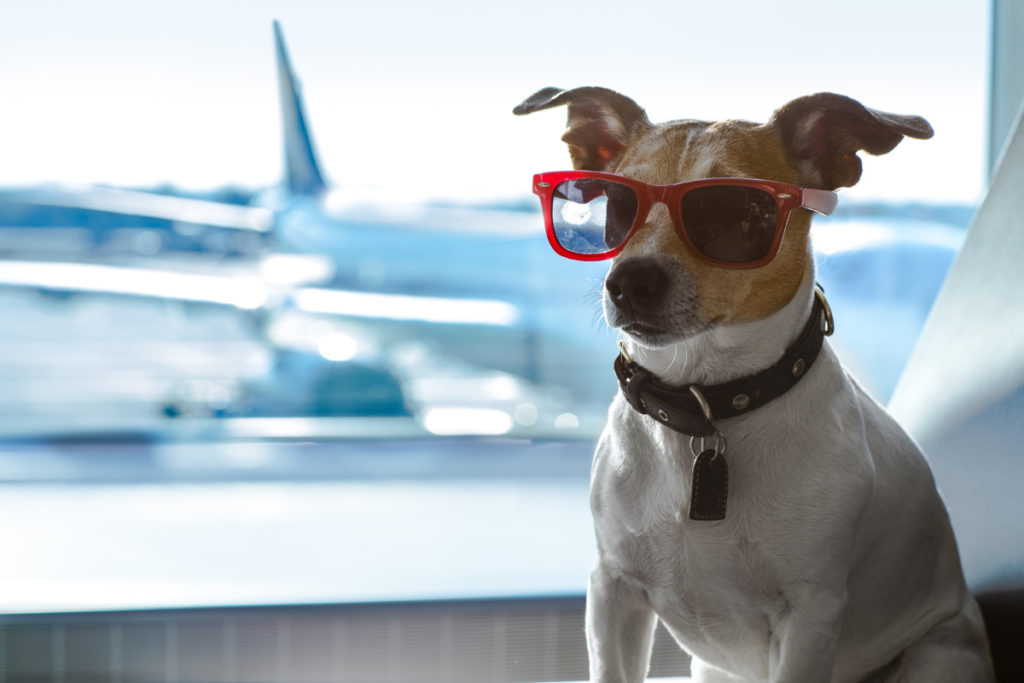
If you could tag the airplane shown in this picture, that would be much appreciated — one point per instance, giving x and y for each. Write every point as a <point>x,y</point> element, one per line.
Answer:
<point>474,289</point>
<point>467,305</point>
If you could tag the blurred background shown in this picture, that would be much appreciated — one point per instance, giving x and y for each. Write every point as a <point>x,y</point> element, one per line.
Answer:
<point>292,386</point>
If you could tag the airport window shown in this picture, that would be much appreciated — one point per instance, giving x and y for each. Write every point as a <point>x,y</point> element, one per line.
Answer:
<point>355,373</point>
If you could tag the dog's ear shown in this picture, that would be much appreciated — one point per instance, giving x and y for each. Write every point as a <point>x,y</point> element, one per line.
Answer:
<point>601,123</point>
<point>822,134</point>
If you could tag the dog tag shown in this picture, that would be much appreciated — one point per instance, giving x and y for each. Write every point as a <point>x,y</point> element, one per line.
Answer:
<point>710,487</point>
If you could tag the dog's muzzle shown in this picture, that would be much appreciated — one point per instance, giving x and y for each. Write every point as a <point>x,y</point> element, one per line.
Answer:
<point>651,300</point>
<point>637,286</point>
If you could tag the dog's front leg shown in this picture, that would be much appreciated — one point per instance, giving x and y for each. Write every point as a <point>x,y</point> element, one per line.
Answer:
<point>620,629</point>
<point>805,635</point>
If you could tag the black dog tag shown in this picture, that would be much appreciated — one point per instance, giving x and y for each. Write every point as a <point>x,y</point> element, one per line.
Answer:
<point>710,486</point>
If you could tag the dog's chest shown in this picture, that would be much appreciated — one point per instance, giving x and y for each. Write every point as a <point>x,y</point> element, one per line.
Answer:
<point>717,592</point>
<point>689,566</point>
<point>711,583</point>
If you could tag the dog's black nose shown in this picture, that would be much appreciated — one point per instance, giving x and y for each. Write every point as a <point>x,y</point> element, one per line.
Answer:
<point>637,285</point>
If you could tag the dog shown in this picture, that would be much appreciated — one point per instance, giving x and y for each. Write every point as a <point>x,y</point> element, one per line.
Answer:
<point>746,491</point>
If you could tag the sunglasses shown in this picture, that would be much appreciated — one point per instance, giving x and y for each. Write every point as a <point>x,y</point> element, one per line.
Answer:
<point>730,222</point>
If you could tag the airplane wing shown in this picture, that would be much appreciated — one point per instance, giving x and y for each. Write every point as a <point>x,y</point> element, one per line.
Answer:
<point>144,205</point>
<point>242,291</point>
<point>252,289</point>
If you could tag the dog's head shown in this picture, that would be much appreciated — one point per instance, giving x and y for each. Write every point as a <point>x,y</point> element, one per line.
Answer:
<point>657,290</point>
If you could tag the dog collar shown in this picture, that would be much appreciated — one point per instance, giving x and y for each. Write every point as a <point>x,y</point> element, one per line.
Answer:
<point>691,409</point>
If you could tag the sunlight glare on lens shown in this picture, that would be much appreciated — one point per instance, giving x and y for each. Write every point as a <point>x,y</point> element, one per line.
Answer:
<point>576,214</point>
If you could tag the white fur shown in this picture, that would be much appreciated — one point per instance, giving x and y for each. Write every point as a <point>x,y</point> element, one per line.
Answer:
<point>727,352</point>
<point>836,558</point>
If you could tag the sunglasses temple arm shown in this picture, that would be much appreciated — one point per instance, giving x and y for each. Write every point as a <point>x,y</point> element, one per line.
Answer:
<point>821,201</point>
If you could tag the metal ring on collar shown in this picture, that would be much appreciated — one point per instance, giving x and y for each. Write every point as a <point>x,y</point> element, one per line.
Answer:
<point>625,352</point>
<point>720,444</point>
<point>703,402</point>
<point>830,324</point>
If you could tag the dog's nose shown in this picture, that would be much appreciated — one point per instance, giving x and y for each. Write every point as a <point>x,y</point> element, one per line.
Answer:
<point>637,284</point>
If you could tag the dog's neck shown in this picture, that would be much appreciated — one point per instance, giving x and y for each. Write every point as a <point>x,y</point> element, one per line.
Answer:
<point>728,352</point>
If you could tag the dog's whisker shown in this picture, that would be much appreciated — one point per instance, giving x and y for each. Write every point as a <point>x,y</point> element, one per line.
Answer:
<point>675,356</point>
<point>594,299</point>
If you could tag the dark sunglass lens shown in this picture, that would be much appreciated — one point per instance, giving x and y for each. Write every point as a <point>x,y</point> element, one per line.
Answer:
<point>730,222</point>
<point>592,216</point>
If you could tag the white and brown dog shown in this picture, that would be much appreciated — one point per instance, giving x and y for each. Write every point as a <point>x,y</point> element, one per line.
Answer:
<point>822,552</point>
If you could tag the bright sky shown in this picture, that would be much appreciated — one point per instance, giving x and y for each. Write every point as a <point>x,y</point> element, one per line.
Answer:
<point>417,96</point>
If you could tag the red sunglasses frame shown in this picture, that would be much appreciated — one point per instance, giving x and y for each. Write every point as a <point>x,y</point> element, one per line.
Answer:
<point>787,197</point>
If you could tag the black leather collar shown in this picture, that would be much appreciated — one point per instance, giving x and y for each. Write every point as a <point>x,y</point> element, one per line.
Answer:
<point>691,409</point>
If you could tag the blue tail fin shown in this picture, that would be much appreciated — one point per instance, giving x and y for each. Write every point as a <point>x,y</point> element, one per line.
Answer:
<point>302,172</point>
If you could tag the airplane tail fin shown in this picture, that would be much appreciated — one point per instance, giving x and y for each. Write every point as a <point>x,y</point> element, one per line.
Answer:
<point>302,172</point>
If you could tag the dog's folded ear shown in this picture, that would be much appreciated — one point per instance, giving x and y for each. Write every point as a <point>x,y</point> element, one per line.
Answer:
<point>822,134</point>
<point>601,123</point>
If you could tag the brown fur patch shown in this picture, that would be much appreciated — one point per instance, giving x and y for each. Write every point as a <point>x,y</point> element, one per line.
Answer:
<point>688,150</point>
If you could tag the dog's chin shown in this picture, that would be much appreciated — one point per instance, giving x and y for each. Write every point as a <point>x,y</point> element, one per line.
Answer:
<point>654,329</point>
<point>654,337</point>
<point>647,335</point>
